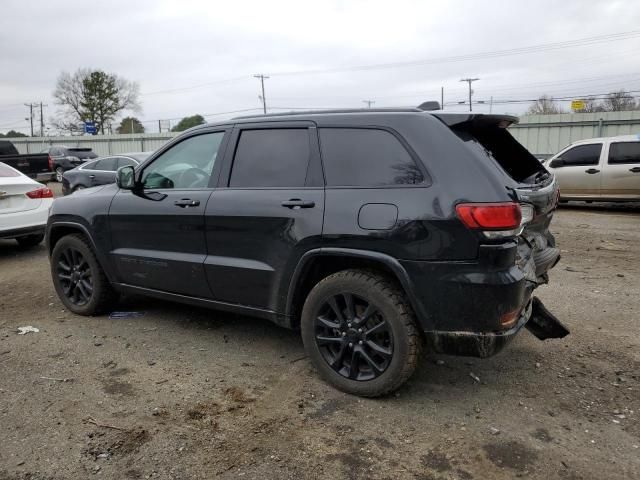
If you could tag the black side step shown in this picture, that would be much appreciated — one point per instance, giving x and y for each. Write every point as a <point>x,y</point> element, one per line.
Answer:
<point>543,324</point>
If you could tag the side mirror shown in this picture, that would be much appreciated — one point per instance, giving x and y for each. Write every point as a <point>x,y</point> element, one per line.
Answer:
<point>126,178</point>
<point>558,162</point>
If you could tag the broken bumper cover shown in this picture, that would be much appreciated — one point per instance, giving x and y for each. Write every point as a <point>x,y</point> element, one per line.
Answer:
<point>535,317</point>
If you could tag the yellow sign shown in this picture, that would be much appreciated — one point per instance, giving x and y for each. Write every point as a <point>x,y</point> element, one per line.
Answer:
<point>577,105</point>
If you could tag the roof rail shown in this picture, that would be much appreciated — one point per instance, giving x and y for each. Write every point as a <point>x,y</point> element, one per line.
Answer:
<point>337,110</point>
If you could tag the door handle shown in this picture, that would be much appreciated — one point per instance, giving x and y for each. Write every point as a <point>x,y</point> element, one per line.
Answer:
<point>297,203</point>
<point>92,176</point>
<point>592,171</point>
<point>186,202</point>
<point>635,169</point>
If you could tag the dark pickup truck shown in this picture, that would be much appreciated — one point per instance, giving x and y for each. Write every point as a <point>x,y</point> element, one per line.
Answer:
<point>34,165</point>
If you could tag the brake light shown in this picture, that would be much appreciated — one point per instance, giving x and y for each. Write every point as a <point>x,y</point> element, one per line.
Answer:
<point>50,163</point>
<point>43,192</point>
<point>490,216</point>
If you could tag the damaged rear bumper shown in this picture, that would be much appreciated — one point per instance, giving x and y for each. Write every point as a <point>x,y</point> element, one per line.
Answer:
<point>535,317</point>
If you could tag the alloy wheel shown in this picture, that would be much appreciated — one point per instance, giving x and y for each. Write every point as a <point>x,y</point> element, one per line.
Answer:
<point>353,337</point>
<point>74,275</point>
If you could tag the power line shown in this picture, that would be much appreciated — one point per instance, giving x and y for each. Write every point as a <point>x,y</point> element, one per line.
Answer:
<point>192,87</point>
<point>476,56</point>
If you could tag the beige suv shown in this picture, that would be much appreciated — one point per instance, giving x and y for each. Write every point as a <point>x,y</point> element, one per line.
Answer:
<point>605,169</point>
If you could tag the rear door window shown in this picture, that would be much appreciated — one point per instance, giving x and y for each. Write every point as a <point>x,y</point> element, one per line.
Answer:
<point>624,152</point>
<point>582,155</point>
<point>109,164</point>
<point>366,157</point>
<point>271,158</point>
<point>89,165</point>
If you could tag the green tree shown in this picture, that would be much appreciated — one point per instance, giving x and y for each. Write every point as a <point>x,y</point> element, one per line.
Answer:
<point>93,95</point>
<point>130,125</point>
<point>188,122</point>
<point>13,134</point>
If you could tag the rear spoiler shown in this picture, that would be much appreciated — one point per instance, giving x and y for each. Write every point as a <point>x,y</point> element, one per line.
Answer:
<point>477,119</point>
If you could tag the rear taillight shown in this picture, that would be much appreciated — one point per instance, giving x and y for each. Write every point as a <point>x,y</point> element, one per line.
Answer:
<point>43,192</point>
<point>490,216</point>
<point>50,163</point>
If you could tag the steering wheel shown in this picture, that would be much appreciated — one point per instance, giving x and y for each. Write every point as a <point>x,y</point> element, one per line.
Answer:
<point>192,177</point>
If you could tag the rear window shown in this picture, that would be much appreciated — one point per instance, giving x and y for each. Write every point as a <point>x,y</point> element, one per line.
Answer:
<point>7,148</point>
<point>81,153</point>
<point>6,171</point>
<point>366,157</point>
<point>624,152</point>
<point>499,145</point>
<point>271,158</point>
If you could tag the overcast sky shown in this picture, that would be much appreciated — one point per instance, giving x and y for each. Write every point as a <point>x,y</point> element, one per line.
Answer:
<point>199,56</point>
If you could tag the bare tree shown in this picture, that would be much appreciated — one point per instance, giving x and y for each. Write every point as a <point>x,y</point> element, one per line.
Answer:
<point>591,105</point>
<point>543,106</point>
<point>619,101</point>
<point>93,95</point>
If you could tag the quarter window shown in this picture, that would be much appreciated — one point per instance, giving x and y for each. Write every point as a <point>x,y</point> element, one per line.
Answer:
<point>582,155</point>
<point>125,162</point>
<point>366,158</point>
<point>271,158</point>
<point>624,152</point>
<point>188,164</point>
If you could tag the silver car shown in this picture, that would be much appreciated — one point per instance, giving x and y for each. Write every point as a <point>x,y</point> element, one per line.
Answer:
<point>600,169</point>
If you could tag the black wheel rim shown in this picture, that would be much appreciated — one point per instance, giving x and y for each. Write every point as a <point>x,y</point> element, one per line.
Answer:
<point>74,276</point>
<point>353,337</point>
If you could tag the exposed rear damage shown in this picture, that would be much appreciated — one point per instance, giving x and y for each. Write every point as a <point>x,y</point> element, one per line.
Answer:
<point>532,246</point>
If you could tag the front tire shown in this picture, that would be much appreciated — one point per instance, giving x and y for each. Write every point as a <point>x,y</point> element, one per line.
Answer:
<point>30,240</point>
<point>78,278</point>
<point>360,333</point>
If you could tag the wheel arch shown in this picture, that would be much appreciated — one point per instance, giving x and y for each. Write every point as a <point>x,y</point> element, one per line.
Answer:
<point>319,263</point>
<point>56,231</point>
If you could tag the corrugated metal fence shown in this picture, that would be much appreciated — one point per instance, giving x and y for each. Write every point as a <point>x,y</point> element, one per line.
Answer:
<point>548,134</point>
<point>101,144</point>
<point>541,134</point>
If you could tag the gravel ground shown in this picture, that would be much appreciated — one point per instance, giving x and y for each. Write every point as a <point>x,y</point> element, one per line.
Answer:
<point>183,393</point>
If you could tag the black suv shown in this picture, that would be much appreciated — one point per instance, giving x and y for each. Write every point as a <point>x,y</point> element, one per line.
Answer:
<point>374,232</point>
<point>63,158</point>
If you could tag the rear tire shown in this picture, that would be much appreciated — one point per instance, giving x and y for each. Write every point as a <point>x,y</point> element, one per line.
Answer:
<point>360,333</point>
<point>59,172</point>
<point>30,240</point>
<point>78,278</point>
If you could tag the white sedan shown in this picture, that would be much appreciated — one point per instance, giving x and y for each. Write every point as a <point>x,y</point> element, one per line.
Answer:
<point>24,207</point>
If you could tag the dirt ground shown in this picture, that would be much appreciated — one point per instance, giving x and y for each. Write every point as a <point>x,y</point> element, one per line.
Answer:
<point>183,393</point>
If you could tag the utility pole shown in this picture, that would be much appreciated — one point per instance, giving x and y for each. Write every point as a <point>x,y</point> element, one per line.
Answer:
<point>369,102</point>
<point>42,120</point>
<point>30,105</point>
<point>442,98</point>
<point>470,81</point>
<point>159,127</point>
<point>264,100</point>
<point>491,104</point>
